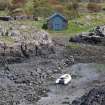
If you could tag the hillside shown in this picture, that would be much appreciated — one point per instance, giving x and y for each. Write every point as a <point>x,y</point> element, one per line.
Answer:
<point>33,56</point>
<point>46,7</point>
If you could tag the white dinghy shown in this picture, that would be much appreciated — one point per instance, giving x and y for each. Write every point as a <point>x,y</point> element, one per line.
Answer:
<point>64,79</point>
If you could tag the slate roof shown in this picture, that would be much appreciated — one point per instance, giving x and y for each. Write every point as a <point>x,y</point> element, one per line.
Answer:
<point>56,14</point>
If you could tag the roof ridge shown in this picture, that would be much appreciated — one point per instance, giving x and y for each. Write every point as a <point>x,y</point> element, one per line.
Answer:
<point>52,16</point>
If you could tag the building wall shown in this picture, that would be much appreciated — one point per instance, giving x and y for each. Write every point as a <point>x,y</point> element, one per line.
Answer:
<point>50,26</point>
<point>57,23</point>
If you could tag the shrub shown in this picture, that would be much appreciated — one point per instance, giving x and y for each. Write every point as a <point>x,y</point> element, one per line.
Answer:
<point>59,8</point>
<point>16,12</point>
<point>103,9</point>
<point>53,2</point>
<point>42,11</point>
<point>72,9</point>
<point>4,4</point>
<point>28,8</point>
<point>45,26</point>
<point>94,7</point>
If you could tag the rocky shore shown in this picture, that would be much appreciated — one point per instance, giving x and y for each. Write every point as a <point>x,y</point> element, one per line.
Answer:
<point>30,65</point>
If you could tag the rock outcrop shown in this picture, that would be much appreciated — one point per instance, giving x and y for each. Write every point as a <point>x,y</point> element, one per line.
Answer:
<point>27,41</point>
<point>96,36</point>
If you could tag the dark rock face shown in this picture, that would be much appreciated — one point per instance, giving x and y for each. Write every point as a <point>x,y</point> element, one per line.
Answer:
<point>97,36</point>
<point>96,96</point>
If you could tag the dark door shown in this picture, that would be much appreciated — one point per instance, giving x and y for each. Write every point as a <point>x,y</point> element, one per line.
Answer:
<point>57,23</point>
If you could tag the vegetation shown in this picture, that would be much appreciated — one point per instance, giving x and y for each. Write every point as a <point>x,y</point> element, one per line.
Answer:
<point>84,23</point>
<point>43,8</point>
<point>94,7</point>
<point>40,8</point>
<point>79,21</point>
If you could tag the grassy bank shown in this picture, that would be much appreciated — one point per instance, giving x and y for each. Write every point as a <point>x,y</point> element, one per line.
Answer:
<point>85,23</point>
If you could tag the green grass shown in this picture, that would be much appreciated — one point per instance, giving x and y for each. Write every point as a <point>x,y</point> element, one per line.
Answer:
<point>3,13</point>
<point>73,28</point>
<point>86,25</point>
<point>38,24</point>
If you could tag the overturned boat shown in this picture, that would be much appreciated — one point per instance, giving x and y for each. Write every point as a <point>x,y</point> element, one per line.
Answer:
<point>64,79</point>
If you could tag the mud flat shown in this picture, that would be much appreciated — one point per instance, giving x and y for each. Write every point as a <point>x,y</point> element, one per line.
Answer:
<point>32,81</point>
<point>85,76</point>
